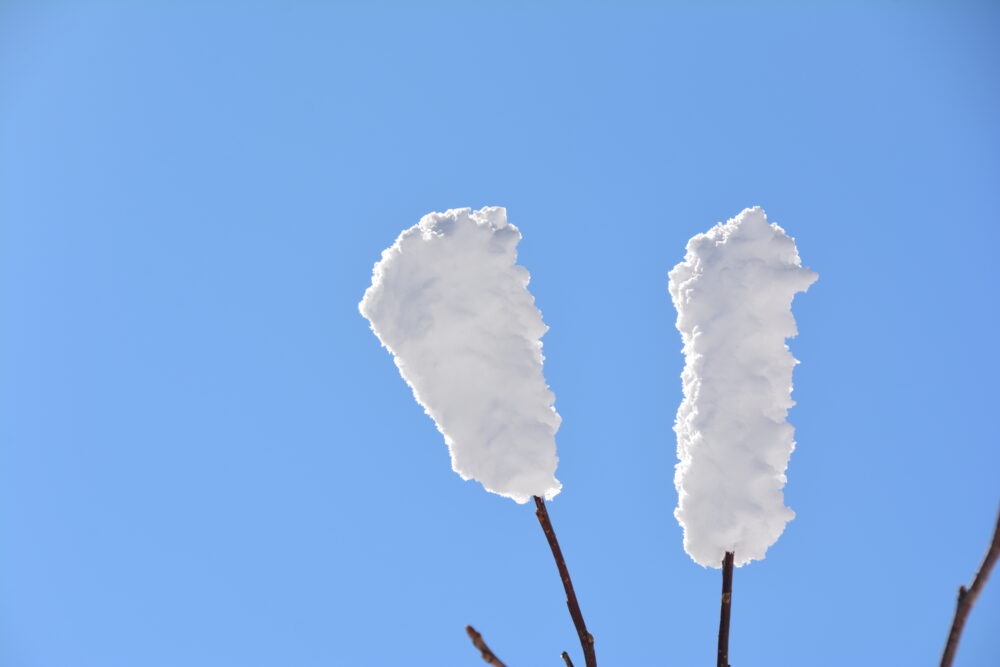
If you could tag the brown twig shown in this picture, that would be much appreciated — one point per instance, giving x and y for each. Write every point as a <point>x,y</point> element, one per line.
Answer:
<point>727,602</point>
<point>967,597</point>
<point>477,640</point>
<point>565,657</point>
<point>586,639</point>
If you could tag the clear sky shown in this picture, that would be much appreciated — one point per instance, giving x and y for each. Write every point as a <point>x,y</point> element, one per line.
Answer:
<point>206,459</point>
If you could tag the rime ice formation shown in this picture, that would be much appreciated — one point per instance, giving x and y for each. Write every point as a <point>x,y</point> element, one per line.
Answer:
<point>733,293</point>
<point>452,307</point>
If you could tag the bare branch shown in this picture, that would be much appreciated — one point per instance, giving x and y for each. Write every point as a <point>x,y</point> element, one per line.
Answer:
<point>967,597</point>
<point>565,657</point>
<point>586,639</point>
<point>477,640</point>
<point>727,601</point>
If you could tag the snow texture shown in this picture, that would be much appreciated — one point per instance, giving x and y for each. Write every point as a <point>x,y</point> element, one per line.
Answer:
<point>733,293</point>
<point>453,308</point>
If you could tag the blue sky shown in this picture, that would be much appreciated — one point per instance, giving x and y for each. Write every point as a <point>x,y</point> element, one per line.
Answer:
<point>207,460</point>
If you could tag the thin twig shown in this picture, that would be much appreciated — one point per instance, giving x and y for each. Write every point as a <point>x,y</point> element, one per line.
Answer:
<point>967,597</point>
<point>727,602</point>
<point>565,657</point>
<point>586,639</point>
<point>477,641</point>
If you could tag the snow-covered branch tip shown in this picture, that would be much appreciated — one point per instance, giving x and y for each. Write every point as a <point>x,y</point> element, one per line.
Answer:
<point>452,306</point>
<point>733,293</point>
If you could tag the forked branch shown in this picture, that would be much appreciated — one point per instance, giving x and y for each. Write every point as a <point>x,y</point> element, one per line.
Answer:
<point>967,597</point>
<point>586,639</point>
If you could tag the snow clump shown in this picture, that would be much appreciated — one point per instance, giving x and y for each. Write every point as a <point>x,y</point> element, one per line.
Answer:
<point>451,305</point>
<point>733,293</point>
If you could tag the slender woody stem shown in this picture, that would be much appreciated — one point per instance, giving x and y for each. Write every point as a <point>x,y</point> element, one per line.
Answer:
<point>586,639</point>
<point>727,601</point>
<point>967,597</point>
<point>477,641</point>
<point>565,657</point>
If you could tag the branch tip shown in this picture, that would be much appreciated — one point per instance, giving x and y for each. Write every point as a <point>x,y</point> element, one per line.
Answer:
<point>477,640</point>
<point>967,597</point>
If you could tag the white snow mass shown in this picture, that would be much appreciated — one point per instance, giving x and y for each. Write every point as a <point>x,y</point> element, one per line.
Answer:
<point>452,307</point>
<point>733,293</point>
